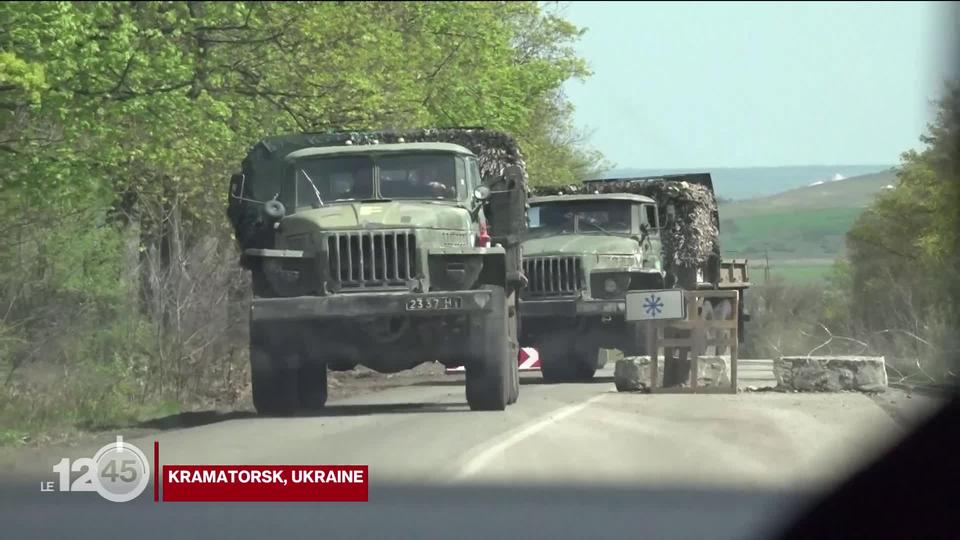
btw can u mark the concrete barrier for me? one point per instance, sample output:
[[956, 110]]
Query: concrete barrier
[[830, 373], [632, 373]]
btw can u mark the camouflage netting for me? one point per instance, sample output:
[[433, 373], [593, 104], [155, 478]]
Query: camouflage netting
[[689, 241], [494, 150]]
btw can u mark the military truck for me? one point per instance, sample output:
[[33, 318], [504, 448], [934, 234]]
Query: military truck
[[382, 249], [587, 245]]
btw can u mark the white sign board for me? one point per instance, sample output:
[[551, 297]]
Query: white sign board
[[656, 305]]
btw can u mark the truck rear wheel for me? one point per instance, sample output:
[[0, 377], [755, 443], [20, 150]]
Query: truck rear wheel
[[571, 367], [489, 384]]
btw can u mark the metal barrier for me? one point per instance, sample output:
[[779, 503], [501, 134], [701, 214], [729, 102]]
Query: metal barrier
[[704, 330]]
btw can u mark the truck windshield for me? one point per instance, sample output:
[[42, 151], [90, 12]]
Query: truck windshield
[[336, 179], [420, 176], [401, 176], [579, 217]]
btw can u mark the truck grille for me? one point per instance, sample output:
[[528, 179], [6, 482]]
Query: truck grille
[[552, 276], [372, 259]]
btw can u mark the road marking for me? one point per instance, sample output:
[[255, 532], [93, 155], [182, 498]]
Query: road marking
[[481, 460]]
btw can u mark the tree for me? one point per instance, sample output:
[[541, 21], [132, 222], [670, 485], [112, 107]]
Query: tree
[[120, 123], [904, 247]]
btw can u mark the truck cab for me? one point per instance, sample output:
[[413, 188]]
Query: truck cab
[[581, 254]]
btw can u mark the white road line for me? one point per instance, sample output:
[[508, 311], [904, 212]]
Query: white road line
[[481, 460]]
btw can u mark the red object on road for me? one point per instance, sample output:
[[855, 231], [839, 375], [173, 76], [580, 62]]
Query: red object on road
[[528, 360]]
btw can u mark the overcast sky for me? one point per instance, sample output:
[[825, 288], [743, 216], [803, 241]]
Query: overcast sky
[[753, 84]]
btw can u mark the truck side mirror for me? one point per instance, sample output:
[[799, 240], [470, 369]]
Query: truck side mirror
[[513, 176], [480, 196], [506, 205], [237, 182]]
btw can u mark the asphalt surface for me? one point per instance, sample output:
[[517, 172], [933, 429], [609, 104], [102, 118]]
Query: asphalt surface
[[744, 461]]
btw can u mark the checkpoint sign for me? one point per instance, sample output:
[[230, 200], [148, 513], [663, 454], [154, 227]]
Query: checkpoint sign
[[663, 305]]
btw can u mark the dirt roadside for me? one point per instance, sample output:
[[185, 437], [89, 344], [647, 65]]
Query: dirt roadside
[[341, 385]]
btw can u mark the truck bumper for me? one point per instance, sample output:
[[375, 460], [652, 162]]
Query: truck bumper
[[571, 307], [370, 304]]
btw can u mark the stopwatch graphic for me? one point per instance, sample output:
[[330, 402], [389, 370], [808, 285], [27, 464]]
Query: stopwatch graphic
[[122, 471]]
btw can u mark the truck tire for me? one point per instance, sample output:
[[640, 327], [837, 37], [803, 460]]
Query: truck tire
[[585, 372], [312, 386], [554, 371], [636, 339], [489, 379], [513, 330], [569, 368], [274, 386]]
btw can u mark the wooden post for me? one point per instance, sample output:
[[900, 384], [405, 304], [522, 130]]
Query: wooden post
[[735, 342], [652, 352]]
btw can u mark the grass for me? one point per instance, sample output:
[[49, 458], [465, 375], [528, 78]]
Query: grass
[[788, 235], [798, 273]]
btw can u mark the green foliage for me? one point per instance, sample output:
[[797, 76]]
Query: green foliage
[[903, 249], [120, 123], [165, 96]]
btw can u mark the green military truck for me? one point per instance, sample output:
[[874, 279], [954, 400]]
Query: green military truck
[[587, 245], [382, 249]]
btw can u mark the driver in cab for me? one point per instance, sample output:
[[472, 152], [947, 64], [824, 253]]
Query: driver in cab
[[423, 183]]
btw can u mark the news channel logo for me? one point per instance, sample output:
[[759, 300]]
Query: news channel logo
[[118, 472]]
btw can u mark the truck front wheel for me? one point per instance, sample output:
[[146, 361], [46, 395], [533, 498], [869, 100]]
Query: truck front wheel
[[274, 385], [312, 386], [490, 378]]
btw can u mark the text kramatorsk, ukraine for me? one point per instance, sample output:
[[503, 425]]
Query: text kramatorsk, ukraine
[[231, 476]]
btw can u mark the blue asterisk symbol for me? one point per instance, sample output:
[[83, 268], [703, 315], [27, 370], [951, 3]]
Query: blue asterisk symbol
[[652, 305]]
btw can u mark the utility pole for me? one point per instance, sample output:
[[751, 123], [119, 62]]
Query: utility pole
[[766, 266]]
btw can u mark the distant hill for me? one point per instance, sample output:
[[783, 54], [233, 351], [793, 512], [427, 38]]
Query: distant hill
[[749, 182], [801, 231], [855, 192]]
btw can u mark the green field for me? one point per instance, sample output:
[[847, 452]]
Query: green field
[[788, 235], [801, 231], [789, 271]]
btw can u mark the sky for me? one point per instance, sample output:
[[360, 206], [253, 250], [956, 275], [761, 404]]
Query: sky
[[679, 85]]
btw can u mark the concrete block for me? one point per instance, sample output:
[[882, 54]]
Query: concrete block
[[714, 371], [830, 373], [632, 373]]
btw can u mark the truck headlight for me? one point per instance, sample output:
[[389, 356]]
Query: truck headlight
[[610, 285]]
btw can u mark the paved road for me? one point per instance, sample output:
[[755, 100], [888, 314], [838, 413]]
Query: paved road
[[569, 432], [735, 458], [585, 432]]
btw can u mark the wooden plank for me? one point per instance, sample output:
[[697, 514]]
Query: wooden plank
[[716, 324], [687, 343]]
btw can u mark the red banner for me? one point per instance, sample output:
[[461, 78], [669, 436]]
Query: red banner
[[265, 483]]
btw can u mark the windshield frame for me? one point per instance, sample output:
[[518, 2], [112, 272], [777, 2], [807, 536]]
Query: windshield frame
[[296, 192]]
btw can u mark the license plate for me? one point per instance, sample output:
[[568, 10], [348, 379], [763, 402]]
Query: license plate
[[434, 303]]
